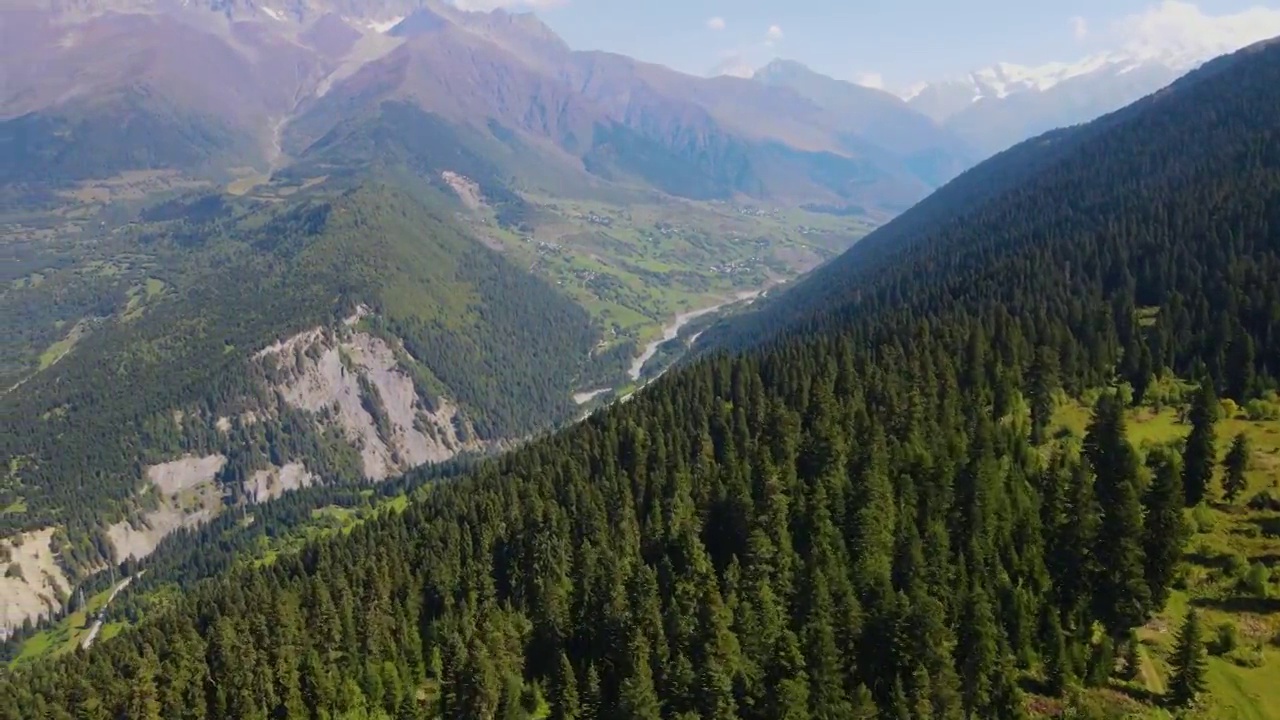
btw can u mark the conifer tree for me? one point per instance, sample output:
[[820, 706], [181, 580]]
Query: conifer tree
[[1236, 465], [1164, 528], [978, 654], [1073, 546], [1122, 598], [1057, 663], [1240, 370], [1200, 454], [1102, 659], [1189, 663], [1044, 380], [143, 703], [564, 696], [637, 697]]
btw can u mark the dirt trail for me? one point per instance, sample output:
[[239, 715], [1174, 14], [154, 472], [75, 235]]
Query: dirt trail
[[97, 623]]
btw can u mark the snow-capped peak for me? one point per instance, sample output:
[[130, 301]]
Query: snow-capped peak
[[384, 26], [1003, 79], [1173, 35]]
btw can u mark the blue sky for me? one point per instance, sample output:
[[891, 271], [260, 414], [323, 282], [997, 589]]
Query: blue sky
[[901, 41]]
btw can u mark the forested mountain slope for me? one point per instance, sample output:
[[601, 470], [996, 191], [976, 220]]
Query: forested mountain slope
[[348, 334], [865, 518], [1119, 185]]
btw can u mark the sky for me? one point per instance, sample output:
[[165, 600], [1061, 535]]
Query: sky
[[888, 43]]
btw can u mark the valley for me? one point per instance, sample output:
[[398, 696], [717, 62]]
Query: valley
[[397, 360], [127, 263]]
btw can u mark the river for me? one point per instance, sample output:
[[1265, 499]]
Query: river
[[672, 329]]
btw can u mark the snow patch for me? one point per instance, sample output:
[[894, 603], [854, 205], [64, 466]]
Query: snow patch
[[1174, 35], [384, 26], [273, 14]]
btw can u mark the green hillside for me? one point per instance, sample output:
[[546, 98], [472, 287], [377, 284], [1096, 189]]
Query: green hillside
[[965, 486], [205, 286], [129, 132], [1115, 190]]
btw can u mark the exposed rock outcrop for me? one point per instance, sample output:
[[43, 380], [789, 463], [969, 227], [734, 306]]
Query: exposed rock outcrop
[[32, 585], [273, 482], [188, 495], [354, 380]]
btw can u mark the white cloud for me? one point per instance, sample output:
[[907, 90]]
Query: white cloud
[[715, 23], [733, 64], [872, 80], [1079, 27], [1174, 27], [743, 60]]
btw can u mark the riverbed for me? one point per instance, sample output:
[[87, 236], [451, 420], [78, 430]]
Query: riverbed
[[672, 330]]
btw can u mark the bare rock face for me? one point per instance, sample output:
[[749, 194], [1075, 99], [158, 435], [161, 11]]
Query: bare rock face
[[273, 482], [188, 495], [32, 585], [354, 381]]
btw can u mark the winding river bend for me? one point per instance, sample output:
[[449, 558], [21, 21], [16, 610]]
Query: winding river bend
[[672, 329]]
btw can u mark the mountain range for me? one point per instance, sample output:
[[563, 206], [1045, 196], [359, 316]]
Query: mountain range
[[995, 107], [967, 469], [81, 83], [257, 245]]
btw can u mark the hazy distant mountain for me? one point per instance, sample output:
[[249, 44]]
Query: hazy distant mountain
[[93, 87], [998, 106], [878, 117]]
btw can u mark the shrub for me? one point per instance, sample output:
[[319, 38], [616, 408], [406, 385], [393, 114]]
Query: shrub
[[1265, 500], [14, 571], [1229, 408], [1225, 639], [1203, 519], [1257, 581], [1235, 565], [1262, 410], [1248, 657]]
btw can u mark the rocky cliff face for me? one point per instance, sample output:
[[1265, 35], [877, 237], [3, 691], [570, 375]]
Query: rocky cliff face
[[354, 381], [344, 379]]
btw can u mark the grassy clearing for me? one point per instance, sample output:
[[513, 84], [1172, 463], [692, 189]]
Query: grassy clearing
[[241, 186], [635, 267], [140, 295], [67, 635], [1228, 542], [57, 350]]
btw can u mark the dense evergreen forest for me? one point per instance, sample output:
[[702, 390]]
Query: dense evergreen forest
[[501, 343], [861, 519], [1164, 204]]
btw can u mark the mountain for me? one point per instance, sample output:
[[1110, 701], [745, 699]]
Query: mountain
[[900, 505], [352, 333], [1002, 200], [254, 247], [275, 76], [998, 106], [877, 117], [621, 121]]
